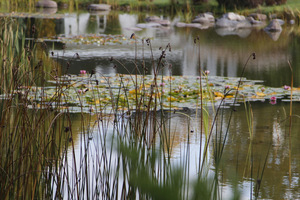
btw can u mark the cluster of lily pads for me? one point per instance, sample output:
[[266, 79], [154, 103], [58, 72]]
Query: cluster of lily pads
[[95, 39], [93, 93]]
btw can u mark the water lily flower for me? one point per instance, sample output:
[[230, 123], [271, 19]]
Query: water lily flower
[[286, 87], [273, 98], [206, 72], [162, 84], [262, 89], [227, 87], [82, 72]]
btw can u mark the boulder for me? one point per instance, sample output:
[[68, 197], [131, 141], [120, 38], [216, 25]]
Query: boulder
[[256, 23], [233, 16], [158, 20], [99, 7], [48, 11], [164, 22], [204, 18], [152, 19], [180, 24], [135, 29], [192, 25], [46, 4], [226, 23], [258, 16], [281, 22], [274, 26], [148, 25]]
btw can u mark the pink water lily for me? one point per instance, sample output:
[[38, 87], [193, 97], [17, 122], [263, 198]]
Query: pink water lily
[[206, 72], [286, 87], [162, 84], [82, 71], [227, 87], [273, 98]]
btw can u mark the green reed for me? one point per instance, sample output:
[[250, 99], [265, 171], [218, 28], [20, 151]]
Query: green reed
[[124, 152]]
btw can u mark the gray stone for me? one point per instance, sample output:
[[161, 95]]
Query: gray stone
[[281, 22], [233, 16], [256, 23], [148, 25], [258, 16], [223, 23], [46, 4], [204, 18], [180, 24], [164, 22], [274, 26], [99, 7], [48, 11], [226, 23], [158, 20], [134, 29], [152, 18], [192, 25]]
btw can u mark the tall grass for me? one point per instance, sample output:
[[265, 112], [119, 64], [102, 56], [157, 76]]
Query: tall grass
[[124, 152]]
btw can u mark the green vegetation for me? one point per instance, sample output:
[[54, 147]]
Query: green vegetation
[[125, 150], [288, 10]]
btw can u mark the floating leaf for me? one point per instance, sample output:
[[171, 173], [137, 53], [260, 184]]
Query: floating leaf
[[260, 94]]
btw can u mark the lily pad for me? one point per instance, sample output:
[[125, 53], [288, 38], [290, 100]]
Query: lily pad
[[86, 93]]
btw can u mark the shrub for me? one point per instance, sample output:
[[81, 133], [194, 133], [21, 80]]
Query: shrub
[[248, 3], [275, 2], [237, 3]]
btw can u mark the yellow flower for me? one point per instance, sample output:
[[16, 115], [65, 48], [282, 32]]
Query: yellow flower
[[172, 99], [260, 94], [219, 94]]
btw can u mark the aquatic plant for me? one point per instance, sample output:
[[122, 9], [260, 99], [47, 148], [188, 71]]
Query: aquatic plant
[[120, 143]]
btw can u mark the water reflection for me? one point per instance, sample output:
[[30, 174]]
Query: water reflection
[[271, 142], [243, 159], [224, 54]]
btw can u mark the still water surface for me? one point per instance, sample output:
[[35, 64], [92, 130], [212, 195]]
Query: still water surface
[[223, 53]]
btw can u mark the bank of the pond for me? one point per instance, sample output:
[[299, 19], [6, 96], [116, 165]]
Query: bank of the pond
[[288, 10]]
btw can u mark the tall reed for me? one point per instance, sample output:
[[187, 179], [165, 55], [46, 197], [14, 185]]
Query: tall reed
[[124, 150]]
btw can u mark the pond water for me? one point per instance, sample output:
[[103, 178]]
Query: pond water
[[223, 53]]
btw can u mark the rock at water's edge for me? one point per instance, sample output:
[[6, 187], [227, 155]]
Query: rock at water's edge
[[274, 26], [99, 7], [46, 4]]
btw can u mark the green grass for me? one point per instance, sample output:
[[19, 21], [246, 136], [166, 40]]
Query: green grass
[[292, 6]]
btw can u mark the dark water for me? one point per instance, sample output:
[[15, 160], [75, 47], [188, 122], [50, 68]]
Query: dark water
[[223, 53]]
